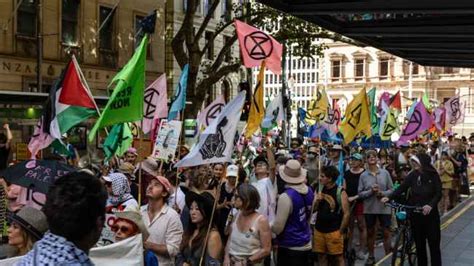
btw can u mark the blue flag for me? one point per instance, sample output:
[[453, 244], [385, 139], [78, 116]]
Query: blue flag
[[180, 95], [340, 166]]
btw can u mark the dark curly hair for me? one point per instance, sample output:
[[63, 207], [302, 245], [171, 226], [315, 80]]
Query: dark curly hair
[[73, 204]]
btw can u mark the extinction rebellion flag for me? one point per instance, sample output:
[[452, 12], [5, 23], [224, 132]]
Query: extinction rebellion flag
[[126, 102]]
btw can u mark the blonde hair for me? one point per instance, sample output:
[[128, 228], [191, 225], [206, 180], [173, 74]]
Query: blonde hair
[[28, 239]]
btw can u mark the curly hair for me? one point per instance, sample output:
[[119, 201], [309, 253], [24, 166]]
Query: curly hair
[[73, 204]]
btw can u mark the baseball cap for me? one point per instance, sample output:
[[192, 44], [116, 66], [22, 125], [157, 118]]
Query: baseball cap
[[232, 170], [356, 156]]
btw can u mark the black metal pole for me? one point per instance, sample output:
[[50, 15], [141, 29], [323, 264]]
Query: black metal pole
[[39, 45]]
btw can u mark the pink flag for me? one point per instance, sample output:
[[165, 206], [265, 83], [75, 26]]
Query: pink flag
[[155, 103], [454, 112], [420, 121], [39, 140], [256, 45], [386, 97], [439, 117], [208, 114]]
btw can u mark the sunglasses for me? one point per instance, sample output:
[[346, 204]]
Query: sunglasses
[[123, 229]]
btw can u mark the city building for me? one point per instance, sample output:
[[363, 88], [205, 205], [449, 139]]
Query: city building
[[101, 34], [345, 69]]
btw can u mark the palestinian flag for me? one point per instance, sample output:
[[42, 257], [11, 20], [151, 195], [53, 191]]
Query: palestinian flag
[[70, 101]]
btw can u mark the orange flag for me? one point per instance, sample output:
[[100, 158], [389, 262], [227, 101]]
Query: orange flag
[[256, 45]]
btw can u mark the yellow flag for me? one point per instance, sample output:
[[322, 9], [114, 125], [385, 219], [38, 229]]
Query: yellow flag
[[318, 108], [356, 118], [257, 111], [390, 126]]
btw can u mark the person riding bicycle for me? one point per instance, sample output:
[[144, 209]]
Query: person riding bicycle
[[424, 186]]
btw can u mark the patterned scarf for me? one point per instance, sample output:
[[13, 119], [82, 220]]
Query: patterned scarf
[[120, 189], [55, 250]]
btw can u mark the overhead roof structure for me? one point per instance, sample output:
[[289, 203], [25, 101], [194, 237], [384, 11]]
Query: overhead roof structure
[[427, 32]]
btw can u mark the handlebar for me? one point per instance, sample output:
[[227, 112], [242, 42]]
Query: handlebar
[[401, 207]]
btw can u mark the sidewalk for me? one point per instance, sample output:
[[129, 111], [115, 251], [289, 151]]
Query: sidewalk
[[457, 241]]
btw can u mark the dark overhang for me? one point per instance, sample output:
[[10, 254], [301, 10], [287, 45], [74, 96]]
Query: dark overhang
[[428, 32]]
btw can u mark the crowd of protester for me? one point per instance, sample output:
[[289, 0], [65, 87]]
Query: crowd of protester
[[283, 206]]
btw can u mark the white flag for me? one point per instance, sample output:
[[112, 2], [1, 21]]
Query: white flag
[[216, 143], [454, 112], [273, 112], [155, 103], [206, 116], [385, 112]]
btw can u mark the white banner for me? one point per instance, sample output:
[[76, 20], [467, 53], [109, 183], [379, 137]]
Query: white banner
[[167, 140], [216, 143]]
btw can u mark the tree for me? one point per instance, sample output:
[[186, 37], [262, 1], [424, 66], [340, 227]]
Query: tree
[[297, 33]]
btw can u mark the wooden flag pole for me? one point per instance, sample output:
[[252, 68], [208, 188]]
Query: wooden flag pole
[[209, 227], [140, 141]]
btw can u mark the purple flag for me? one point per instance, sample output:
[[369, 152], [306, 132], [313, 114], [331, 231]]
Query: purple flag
[[420, 121], [386, 98]]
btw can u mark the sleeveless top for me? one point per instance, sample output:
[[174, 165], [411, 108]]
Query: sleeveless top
[[329, 220], [244, 244], [297, 232], [193, 257]]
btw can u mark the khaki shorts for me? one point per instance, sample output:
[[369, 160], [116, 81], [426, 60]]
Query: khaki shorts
[[328, 243]]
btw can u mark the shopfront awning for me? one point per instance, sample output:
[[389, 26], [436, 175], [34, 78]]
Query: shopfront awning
[[35, 98], [427, 32]]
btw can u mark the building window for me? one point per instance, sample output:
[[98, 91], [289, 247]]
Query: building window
[[359, 69], [383, 68], [185, 5], [415, 70], [26, 18], [139, 34], [448, 70], [226, 10], [69, 22], [210, 49], [335, 69], [207, 7], [106, 37]]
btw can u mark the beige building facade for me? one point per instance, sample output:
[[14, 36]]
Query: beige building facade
[[102, 34], [345, 69]]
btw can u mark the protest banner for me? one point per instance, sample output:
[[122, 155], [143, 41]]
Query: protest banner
[[167, 140]]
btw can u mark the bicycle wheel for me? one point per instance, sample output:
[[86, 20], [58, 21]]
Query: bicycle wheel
[[411, 251], [399, 249]]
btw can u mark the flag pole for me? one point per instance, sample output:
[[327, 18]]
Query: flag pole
[[181, 118], [209, 227], [140, 141]]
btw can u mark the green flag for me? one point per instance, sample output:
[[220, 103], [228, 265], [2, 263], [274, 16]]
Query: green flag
[[426, 102], [126, 102], [373, 111], [118, 141]]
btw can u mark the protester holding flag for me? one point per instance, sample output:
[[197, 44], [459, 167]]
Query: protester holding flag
[[374, 184], [291, 223], [197, 238], [332, 218]]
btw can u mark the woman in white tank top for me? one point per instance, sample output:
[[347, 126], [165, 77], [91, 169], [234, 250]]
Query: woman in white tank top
[[250, 237]]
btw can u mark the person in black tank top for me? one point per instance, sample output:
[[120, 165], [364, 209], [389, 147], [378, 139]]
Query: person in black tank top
[[332, 219]]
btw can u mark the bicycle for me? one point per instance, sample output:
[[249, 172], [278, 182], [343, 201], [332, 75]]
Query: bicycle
[[404, 243]]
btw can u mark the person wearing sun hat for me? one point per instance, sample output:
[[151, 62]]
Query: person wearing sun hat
[[291, 223], [26, 227], [162, 221], [194, 239]]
